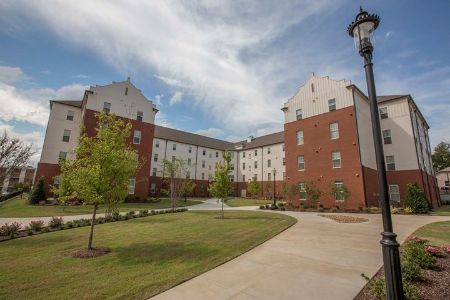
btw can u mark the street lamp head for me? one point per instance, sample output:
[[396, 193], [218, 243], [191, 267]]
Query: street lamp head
[[362, 31]]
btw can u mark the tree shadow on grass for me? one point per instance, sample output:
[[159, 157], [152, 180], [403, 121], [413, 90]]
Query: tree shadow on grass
[[166, 253]]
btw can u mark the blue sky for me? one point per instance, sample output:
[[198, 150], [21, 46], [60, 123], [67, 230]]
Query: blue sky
[[220, 68]]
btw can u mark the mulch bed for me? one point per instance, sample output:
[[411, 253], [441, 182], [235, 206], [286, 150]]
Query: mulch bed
[[344, 219], [436, 285], [90, 253]]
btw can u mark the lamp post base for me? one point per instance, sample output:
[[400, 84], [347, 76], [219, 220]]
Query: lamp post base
[[391, 259]]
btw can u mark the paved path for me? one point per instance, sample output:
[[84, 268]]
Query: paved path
[[316, 258]]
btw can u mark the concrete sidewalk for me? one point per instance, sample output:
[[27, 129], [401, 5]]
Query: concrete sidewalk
[[316, 258]]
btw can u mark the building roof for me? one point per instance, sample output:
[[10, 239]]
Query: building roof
[[76, 103], [191, 138], [265, 140], [389, 97]]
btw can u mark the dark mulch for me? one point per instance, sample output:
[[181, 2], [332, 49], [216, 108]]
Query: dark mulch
[[344, 219], [436, 285], [90, 253]]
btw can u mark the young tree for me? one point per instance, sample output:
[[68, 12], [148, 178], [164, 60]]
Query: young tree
[[174, 171], [254, 187], [268, 190], [187, 187], [102, 169], [415, 199], [313, 193], [22, 188], [38, 193], [14, 154], [441, 156], [340, 192], [221, 186]]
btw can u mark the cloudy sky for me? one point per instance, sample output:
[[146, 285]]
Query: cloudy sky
[[219, 68]]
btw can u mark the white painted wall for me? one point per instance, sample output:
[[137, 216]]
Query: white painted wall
[[122, 105], [57, 122], [315, 102]]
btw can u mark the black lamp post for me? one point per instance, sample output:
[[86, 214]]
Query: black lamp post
[[362, 31], [274, 199]]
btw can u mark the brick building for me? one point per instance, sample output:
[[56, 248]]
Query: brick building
[[326, 139]]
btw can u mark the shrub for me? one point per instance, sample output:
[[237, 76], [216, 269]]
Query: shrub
[[267, 205], [143, 213], [376, 286], [394, 210], [131, 214], [262, 207], [415, 199], [69, 224], [273, 207], [36, 225], [333, 210], [281, 204], [410, 291], [29, 230], [100, 220], [415, 252], [435, 251], [38, 193], [56, 222], [10, 229], [283, 208], [116, 216], [152, 212], [411, 271], [374, 209], [408, 210]]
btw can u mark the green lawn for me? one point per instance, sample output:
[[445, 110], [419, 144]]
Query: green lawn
[[17, 207], [148, 255], [437, 233], [444, 210], [247, 202]]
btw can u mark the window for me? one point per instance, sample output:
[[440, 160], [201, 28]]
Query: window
[[256, 152], [250, 167], [302, 191], [190, 149], [269, 176], [153, 188], [203, 176], [299, 114], [255, 176], [339, 196], [284, 175], [62, 155], [383, 113], [173, 158], [70, 114], [299, 137], [301, 162], [126, 91], [394, 193], [231, 178], [243, 178], [232, 167], [217, 154], [334, 131], [140, 115], [249, 155], [336, 159], [204, 152], [331, 104], [284, 161], [387, 136], [210, 155], [136, 137], [188, 175], [174, 147], [157, 144], [189, 162], [269, 163], [155, 157], [390, 163], [131, 185], [203, 163], [106, 107], [66, 135], [268, 150], [56, 181], [256, 164], [243, 166], [312, 87], [154, 172], [243, 154]]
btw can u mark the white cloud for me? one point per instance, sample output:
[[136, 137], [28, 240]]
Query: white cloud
[[388, 34], [211, 132], [176, 98], [11, 74], [161, 120]]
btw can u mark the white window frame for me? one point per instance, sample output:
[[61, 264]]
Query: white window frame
[[155, 157], [156, 143], [301, 163], [301, 191], [269, 176], [255, 165], [131, 186], [66, 135], [332, 104], [299, 137], [394, 192], [174, 147], [387, 137], [243, 166], [340, 195], [70, 115], [107, 107], [336, 160], [384, 114], [154, 172], [137, 134], [390, 163], [269, 163], [299, 114], [62, 155], [140, 115], [334, 130]]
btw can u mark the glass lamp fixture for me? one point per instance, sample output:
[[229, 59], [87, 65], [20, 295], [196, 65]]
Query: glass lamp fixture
[[361, 30]]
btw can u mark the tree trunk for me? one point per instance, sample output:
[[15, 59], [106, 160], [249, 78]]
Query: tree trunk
[[91, 234], [172, 195], [222, 208]]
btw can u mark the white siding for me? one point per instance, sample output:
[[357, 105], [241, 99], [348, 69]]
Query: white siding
[[316, 103]]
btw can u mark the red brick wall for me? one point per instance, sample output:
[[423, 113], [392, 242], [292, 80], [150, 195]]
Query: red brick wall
[[142, 188], [48, 171], [317, 150]]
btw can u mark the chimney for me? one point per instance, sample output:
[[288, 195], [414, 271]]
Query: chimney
[[250, 138]]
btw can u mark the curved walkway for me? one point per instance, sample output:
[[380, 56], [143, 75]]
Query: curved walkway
[[316, 258]]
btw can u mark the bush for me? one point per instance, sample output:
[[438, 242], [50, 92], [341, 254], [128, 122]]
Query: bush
[[273, 207], [56, 222], [152, 212], [69, 224], [36, 225], [29, 230], [415, 252], [394, 210], [411, 271], [410, 291], [116, 216], [100, 220], [333, 210], [131, 214], [415, 199], [283, 208], [374, 209], [376, 286], [10, 229], [143, 213], [408, 210], [267, 206], [262, 207], [38, 193]]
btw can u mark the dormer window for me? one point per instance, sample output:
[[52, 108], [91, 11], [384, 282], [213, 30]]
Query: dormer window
[[140, 115], [126, 91], [299, 114], [106, 107]]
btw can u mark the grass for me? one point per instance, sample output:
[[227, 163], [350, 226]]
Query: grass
[[247, 202], [17, 207], [444, 210], [148, 255], [438, 234]]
